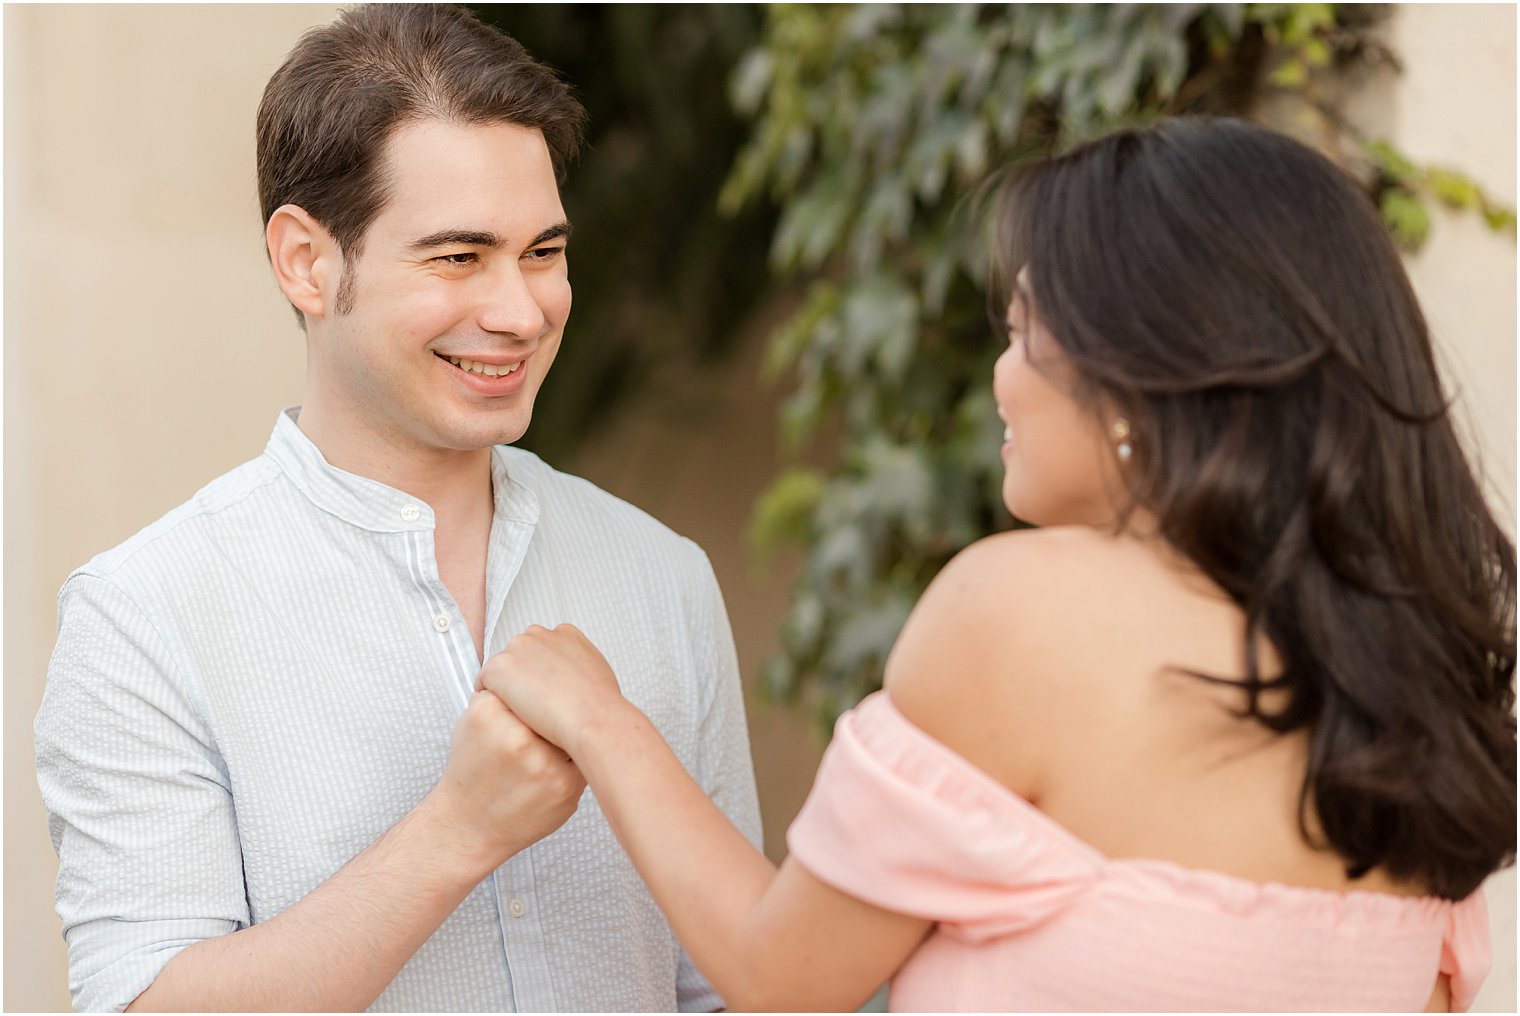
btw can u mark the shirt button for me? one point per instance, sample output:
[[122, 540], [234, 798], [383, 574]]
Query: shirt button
[[516, 908], [411, 513], [441, 622]]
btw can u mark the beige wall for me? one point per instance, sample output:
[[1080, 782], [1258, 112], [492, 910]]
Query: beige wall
[[147, 350], [1455, 104]]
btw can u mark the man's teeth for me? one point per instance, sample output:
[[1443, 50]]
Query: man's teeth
[[1007, 433], [486, 369]]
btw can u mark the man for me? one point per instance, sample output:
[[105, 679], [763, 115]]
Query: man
[[270, 782]]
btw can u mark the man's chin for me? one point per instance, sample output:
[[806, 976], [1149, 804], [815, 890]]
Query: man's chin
[[467, 438]]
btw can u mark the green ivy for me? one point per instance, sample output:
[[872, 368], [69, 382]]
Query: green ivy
[[1403, 187], [873, 127]]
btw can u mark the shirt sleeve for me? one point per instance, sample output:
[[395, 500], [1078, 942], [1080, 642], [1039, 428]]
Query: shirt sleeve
[[897, 820], [1465, 953], [139, 806], [725, 770]]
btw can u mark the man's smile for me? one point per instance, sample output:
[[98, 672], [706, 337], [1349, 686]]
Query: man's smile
[[482, 368]]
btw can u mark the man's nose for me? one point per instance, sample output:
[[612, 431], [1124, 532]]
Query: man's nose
[[510, 307]]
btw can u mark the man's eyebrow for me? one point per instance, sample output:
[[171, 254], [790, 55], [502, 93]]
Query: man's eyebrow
[[453, 238], [479, 238], [558, 231]]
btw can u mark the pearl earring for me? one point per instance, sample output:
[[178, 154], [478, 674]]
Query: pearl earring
[[1121, 434]]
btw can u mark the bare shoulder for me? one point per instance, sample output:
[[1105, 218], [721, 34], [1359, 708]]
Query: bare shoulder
[[1042, 563], [1001, 592], [982, 664]]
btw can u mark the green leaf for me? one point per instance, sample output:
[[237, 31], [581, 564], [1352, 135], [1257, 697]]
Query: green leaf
[[751, 79], [1005, 102], [784, 512], [1304, 20], [898, 483], [1171, 65], [1290, 74], [1406, 218], [1116, 89], [880, 328], [1316, 52], [842, 552], [805, 625], [788, 343], [886, 217], [778, 681], [971, 150], [812, 224], [801, 412], [1392, 162], [865, 634], [1225, 21], [1500, 219], [1453, 189]]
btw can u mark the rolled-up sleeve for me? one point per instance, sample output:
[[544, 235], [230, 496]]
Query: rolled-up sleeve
[[139, 806], [725, 769]]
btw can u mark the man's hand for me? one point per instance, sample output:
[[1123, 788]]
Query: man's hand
[[556, 682], [504, 788]]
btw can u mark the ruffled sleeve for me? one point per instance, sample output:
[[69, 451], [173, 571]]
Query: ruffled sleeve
[[1465, 956], [898, 820]]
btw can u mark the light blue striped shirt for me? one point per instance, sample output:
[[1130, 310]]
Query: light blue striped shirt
[[253, 689]]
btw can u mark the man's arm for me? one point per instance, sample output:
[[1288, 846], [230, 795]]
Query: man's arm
[[151, 883], [337, 949]]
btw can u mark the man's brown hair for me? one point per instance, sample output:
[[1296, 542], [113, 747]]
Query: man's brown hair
[[329, 110]]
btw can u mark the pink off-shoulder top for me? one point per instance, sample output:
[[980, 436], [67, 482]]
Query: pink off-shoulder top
[[1029, 917]]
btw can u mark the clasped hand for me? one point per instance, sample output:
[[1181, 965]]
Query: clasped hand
[[508, 782], [556, 682]]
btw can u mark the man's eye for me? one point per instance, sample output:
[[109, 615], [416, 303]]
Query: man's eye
[[458, 259], [545, 253]]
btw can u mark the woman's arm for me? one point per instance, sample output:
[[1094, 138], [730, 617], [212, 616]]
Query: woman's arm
[[767, 940]]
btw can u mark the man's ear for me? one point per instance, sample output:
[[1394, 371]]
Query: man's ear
[[307, 262]]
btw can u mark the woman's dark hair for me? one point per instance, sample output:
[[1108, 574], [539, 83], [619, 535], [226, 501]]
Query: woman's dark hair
[[1233, 295]]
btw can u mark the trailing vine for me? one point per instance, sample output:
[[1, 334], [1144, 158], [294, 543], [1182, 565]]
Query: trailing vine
[[872, 128]]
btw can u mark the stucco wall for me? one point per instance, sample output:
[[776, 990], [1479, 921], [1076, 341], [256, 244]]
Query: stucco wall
[[147, 350], [1454, 103]]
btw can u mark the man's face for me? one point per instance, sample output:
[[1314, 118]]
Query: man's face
[[458, 298]]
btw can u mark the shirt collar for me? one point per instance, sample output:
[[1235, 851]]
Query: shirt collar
[[371, 504]]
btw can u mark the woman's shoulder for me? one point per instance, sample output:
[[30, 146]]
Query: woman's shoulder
[[993, 659], [1037, 588], [1033, 641], [1051, 563]]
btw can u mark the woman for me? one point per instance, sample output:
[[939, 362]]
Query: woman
[[1232, 730]]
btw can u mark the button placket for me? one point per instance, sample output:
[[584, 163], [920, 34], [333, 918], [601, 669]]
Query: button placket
[[523, 934]]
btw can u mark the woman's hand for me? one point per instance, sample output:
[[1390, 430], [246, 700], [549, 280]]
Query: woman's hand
[[556, 682]]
